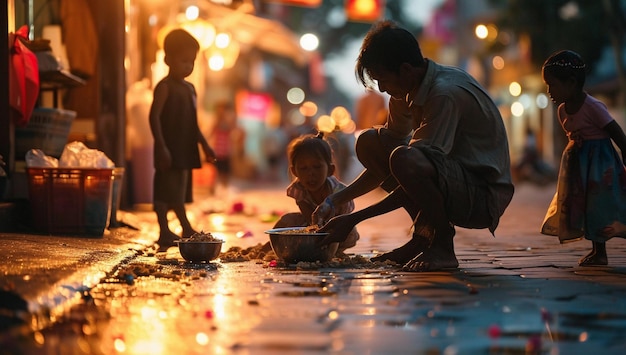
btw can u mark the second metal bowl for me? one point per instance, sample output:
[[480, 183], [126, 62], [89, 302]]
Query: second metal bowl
[[293, 245]]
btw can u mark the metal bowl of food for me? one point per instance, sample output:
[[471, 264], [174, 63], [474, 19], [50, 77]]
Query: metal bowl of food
[[295, 244], [200, 247]]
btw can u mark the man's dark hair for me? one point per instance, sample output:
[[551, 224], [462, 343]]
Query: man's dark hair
[[386, 46]]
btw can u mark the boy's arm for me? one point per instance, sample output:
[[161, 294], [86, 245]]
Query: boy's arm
[[162, 158], [209, 154]]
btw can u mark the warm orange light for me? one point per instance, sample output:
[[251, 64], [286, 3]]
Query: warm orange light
[[307, 3], [222, 57], [364, 10], [308, 108], [202, 31]]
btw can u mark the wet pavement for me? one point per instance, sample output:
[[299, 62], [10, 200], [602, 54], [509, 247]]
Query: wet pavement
[[520, 292]]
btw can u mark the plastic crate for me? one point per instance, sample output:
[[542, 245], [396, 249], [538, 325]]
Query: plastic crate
[[70, 201], [47, 129], [116, 195]]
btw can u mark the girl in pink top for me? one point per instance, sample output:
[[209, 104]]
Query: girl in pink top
[[590, 201]]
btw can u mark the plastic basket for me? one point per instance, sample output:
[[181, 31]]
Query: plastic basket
[[116, 195], [70, 201], [47, 129]]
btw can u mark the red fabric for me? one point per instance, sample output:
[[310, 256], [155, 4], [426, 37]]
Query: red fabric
[[23, 78]]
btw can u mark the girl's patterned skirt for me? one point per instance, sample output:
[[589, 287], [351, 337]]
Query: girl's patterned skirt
[[590, 194]]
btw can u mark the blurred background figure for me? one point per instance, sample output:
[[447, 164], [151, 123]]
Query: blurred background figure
[[370, 110], [227, 140], [530, 166], [274, 147]]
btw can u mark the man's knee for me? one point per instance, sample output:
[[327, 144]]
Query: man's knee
[[411, 162], [366, 143], [370, 152]]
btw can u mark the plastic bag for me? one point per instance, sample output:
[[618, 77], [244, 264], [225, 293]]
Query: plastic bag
[[77, 154], [23, 77], [36, 158]]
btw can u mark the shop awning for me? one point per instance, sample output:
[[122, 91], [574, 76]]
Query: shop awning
[[253, 31]]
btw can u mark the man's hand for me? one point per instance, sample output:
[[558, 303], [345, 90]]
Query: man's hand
[[323, 212], [339, 227]]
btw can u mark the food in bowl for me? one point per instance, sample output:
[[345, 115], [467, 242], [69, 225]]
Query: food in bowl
[[200, 247], [295, 244], [300, 230], [202, 237]]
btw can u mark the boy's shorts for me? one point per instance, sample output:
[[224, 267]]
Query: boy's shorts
[[170, 186], [465, 193]]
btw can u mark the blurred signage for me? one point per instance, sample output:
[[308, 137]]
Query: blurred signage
[[365, 10], [253, 106], [306, 3]]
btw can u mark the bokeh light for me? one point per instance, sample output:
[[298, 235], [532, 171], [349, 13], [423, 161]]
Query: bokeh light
[[296, 117], [308, 109], [325, 123], [481, 31], [517, 109], [216, 62], [542, 100], [222, 40], [309, 42], [526, 101], [341, 116], [497, 62], [515, 89], [192, 12], [295, 95]]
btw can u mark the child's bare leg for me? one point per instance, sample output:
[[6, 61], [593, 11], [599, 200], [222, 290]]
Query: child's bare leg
[[181, 213], [166, 236], [596, 257]]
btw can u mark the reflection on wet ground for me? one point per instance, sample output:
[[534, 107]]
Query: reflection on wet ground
[[167, 306], [518, 293]]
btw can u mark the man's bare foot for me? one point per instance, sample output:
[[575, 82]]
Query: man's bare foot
[[432, 259], [166, 240], [419, 244], [403, 254]]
